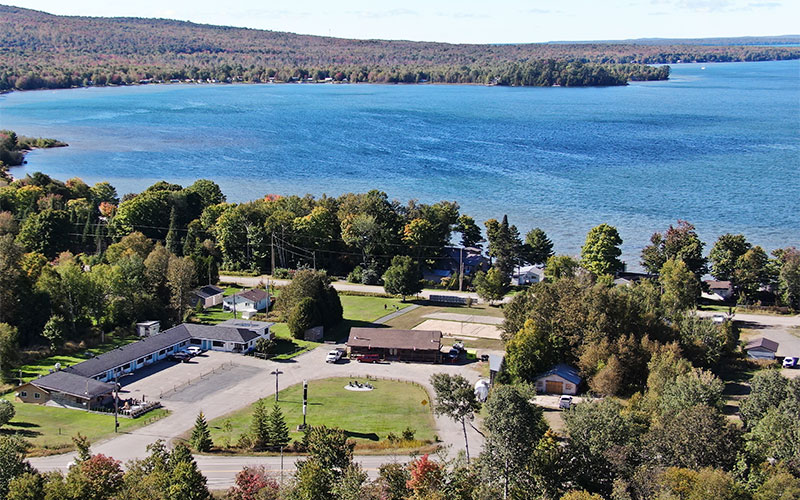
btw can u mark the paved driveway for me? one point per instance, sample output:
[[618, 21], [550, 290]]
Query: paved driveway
[[242, 384]]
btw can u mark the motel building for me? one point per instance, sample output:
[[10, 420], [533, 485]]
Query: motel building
[[91, 382]]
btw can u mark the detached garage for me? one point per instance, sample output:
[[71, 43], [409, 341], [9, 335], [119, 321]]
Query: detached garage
[[762, 348], [562, 379]]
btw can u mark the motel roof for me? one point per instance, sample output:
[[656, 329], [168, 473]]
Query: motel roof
[[131, 352], [390, 338], [220, 333], [72, 384]]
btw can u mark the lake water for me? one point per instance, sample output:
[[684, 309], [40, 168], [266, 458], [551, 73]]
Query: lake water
[[718, 145]]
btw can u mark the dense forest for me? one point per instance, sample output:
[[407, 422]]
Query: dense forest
[[40, 50]]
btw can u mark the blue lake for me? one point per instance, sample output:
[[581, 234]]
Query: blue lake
[[718, 145]]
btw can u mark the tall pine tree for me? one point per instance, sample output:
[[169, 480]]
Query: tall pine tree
[[173, 239], [201, 436], [260, 426], [278, 430]]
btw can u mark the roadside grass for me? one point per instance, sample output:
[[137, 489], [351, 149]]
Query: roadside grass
[[49, 430], [43, 366], [367, 417], [741, 309]]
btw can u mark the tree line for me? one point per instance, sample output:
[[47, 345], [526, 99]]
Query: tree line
[[46, 51]]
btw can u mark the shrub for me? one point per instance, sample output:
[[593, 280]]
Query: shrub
[[408, 434], [303, 316], [7, 412], [370, 277], [355, 275], [282, 273]]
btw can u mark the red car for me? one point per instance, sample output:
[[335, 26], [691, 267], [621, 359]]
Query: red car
[[368, 358]]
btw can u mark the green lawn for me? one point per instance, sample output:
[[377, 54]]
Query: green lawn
[[44, 365], [366, 416], [358, 308], [50, 429]]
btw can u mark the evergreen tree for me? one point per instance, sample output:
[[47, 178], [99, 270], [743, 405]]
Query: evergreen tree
[[173, 239], [201, 436], [538, 247], [260, 427], [278, 430], [504, 245], [87, 229]]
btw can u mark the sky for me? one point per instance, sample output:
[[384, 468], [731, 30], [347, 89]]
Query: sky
[[465, 21]]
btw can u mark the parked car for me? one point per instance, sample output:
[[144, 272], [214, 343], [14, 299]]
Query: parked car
[[565, 402], [194, 350], [453, 355], [368, 358], [334, 356], [180, 357], [790, 362]]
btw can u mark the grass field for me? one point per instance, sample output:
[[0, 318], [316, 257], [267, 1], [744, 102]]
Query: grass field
[[44, 365], [367, 417], [50, 429]]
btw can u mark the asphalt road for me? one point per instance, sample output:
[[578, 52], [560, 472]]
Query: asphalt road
[[260, 281]]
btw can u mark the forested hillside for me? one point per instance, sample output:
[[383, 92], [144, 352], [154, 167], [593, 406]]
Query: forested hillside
[[39, 50]]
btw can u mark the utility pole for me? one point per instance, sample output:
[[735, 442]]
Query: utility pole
[[461, 269], [272, 249], [276, 372], [116, 400]]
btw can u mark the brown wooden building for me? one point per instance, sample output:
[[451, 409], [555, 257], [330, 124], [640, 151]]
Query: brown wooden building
[[400, 345]]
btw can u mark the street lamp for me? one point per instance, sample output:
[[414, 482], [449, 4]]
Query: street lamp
[[276, 372]]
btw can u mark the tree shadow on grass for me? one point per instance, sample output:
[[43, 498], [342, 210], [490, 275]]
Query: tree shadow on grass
[[362, 435], [22, 429]]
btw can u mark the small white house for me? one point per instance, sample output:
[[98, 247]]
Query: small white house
[[761, 348], [247, 303], [208, 295], [527, 275], [721, 291], [562, 379], [238, 336]]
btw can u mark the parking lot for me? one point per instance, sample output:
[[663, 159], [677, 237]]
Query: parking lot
[[176, 381]]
